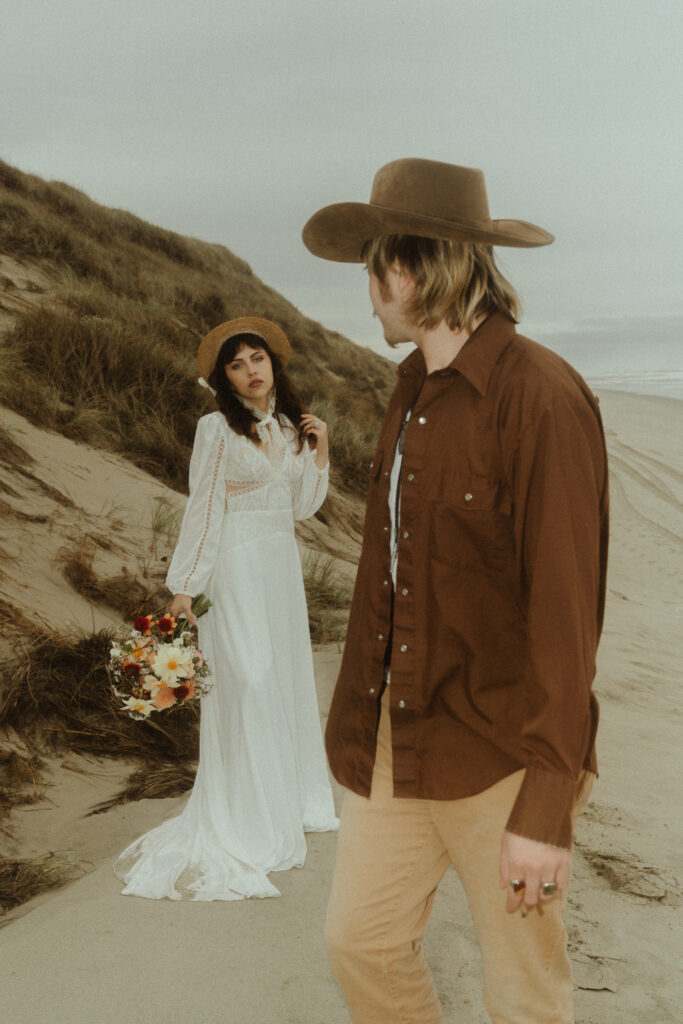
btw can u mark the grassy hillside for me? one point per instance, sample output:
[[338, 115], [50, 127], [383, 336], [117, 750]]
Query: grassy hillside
[[107, 354]]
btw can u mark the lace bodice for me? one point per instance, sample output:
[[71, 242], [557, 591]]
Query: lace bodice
[[229, 475]]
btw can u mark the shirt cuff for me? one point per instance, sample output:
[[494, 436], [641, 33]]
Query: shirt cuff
[[543, 808], [176, 587]]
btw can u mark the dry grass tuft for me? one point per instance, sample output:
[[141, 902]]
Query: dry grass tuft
[[125, 592], [12, 454], [13, 620], [152, 782], [21, 880], [18, 769], [15, 513], [19, 776], [328, 595]]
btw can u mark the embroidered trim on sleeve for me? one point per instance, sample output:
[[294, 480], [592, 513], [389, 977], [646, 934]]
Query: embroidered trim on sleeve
[[316, 491], [209, 505]]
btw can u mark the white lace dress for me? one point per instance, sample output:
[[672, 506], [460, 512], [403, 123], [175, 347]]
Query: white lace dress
[[262, 779]]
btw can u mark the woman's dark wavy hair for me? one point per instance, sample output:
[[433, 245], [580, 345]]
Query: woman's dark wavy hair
[[242, 420]]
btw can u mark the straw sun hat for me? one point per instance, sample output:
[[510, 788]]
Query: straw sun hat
[[266, 330], [417, 197]]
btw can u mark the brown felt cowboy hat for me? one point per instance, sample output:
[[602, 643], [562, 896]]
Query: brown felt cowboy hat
[[266, 330], [417, 197]]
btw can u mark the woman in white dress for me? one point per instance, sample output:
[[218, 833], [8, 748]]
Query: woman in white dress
[[262, 778]]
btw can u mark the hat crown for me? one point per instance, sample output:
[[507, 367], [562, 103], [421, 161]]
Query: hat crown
[[432, 189], [261, 328]]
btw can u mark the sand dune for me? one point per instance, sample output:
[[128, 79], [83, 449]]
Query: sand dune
[[84, 953]]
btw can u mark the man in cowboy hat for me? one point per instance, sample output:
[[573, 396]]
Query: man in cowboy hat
[[463, 723]]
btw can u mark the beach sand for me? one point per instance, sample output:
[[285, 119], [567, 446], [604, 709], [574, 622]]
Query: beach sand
[[83, 953]]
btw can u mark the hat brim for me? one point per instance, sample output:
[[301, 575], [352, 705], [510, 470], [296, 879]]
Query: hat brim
[[266, 330], [340, 231]]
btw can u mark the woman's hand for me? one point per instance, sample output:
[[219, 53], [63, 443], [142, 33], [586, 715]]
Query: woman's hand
[[316, 428], [182, 603]]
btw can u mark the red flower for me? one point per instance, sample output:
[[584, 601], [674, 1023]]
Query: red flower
[[131, 668], [181, 692], [142, 624], [166, 624]]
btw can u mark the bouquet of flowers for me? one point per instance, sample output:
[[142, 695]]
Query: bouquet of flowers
[[158, 666]]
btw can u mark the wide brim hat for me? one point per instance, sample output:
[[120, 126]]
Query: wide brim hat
[[266, 330], [417, 197]]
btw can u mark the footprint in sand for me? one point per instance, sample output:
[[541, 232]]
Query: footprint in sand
[[632, 878]]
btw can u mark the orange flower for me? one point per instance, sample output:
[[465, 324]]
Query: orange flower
[[166, 624]]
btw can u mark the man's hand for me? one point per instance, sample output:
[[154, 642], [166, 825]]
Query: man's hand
[[525, 860]]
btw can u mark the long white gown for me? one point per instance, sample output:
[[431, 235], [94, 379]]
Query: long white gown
[[262, 779]]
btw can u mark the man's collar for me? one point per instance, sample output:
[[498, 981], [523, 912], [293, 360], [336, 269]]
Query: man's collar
[[477, 357]]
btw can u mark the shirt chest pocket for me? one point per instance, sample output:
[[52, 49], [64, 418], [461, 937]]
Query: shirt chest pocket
[[475, 494], [471, 523]]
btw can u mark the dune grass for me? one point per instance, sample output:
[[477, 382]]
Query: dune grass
[[328, 595], [19, 777], [151, 782], [108, 357], [21, 880], [127, 593]]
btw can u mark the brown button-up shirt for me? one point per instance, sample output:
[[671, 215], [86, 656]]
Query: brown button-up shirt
[[498, 605]]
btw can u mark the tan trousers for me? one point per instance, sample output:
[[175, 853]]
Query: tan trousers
[[391, 856]]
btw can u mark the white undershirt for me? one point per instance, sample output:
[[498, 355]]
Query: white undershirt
[[395, 501], [395, 511]]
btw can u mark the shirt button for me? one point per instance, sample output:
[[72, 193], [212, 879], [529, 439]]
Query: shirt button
[[386, 529], [386, 472], [468, 496], [405, 591], [404, 648], [371, 691], [386, 583], [380, 636], [401, 703], [411, 476], [422, 420], [406, 534]]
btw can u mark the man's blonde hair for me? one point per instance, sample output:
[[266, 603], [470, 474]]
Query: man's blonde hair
[[454, 281]]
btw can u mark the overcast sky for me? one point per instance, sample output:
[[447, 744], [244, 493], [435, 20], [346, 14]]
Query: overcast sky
[[234, 121]]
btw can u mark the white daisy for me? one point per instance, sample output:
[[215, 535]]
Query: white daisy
[[139, 707], [173, 664]]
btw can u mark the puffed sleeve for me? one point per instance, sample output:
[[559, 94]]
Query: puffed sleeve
[[311, 485], [195, 554]]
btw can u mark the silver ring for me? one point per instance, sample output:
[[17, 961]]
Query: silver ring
[[548, 889], [316, 423]]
